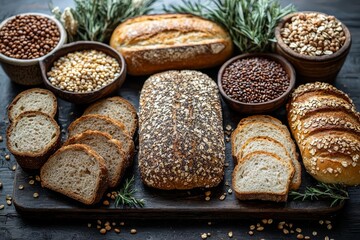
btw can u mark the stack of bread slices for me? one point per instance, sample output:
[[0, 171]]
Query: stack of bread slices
[[265, 158], [99, 149]]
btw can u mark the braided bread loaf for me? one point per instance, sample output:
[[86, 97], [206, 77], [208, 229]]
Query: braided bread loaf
[[326, 127]]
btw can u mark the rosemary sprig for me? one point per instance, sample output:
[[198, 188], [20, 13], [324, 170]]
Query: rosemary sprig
[[251, 23], [337, 193], [125, 197], [95, 20]]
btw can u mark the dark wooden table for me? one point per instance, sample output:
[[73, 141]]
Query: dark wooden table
[[345, 225]]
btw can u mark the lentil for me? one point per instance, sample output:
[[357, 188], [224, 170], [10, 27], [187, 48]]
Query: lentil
[[28, 37], [36, 195], [84, 71], [255, 80], [313, 34]]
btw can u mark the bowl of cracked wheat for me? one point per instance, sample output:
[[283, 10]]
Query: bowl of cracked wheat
[[315, 43], [83, 71]]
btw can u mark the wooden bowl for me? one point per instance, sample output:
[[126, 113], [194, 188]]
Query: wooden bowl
[[88, 97], [313, 68], [255, 108]]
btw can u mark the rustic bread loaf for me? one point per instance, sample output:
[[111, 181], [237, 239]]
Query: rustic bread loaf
[[263, 176], [32, 138], [326, 127], [107, 125], [181, 141], [118, 109], [154, 43], [34, 99], [76, 171], [108, 148]]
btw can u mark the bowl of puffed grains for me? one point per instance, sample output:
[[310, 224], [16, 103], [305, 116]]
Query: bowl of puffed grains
[[315, 43], [84, 71], [25, 39]]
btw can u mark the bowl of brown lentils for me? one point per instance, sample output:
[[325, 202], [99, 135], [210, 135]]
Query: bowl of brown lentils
[[25, 39], [315, 43], [84, 71], [256, 82]]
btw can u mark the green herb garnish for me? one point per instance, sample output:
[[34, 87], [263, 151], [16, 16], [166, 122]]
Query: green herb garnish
[[95, 20], [251, 23], [337, 193], [125, 197]]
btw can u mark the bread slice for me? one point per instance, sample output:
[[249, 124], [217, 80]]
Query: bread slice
[[32, 138], [108, 148], [76, 171], [263, 176], [107, 125], [118, 109], [34, 99]]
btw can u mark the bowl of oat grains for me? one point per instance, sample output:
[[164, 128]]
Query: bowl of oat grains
[[25, 39], [83, 71], [256, 82], [315, 43]]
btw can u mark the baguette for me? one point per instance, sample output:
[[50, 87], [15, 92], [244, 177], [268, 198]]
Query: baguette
[[326, 127], [154, 43]]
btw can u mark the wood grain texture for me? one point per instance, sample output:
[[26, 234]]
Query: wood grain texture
[[12, 226]]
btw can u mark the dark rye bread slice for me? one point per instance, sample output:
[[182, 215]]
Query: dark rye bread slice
[[104, 124], [108, 148], [76, 171], [34, 99], [262, 176], [181, 142], [118, 109], [32, 138]]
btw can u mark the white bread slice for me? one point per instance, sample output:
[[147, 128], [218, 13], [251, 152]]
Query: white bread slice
[[34, 99], [104, 124], [118, 109], [108, 148], [270, 145], [76, 171], [262, 176], [32, 138], [262, 118]]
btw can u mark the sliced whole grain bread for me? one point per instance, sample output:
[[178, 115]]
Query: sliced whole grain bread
[[76, 171], [118, 109], [107, 125], [108, 148], [34, 99], [32, 138], [263, 176]]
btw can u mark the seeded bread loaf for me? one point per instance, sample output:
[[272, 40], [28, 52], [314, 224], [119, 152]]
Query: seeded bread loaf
[[76, 171], [181, 142], [118, 109], [263, 176], [107, 125], [326, 127], [32, 138], [34, 99], [154, 43], [108, 148]]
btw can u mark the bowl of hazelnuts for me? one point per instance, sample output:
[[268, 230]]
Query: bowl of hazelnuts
[[25, 39], [315, 43]]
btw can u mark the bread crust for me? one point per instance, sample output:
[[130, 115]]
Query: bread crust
[[154, 43], [102, 183], [327, 134], [28, 160], [23, 93]]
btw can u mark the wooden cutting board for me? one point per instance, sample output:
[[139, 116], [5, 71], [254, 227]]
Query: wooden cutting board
[[162, 204]]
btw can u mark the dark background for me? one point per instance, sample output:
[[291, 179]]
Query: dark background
[[345, 225]]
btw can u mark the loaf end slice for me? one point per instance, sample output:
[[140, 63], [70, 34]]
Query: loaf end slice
[[76, 171], [118, 109], [262, 176], [34, 99], [32, 138], [108, 148]]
